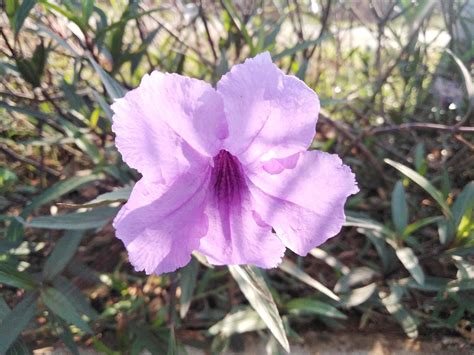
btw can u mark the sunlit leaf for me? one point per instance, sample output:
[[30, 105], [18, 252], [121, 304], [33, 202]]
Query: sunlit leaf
[[307, 306], [290, 268], [359, 295], [256, 291], [120, 195], [464, 203], [411, 263], [355, 277], [241, 321], [393, 305]]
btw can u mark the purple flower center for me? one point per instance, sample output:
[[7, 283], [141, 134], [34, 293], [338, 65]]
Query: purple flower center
[[227, 177]]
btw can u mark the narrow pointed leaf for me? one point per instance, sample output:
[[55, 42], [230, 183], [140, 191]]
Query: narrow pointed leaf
[[10, 276], [307, 306], [75, 221], [187, 283], [423, 183], [290, 268], [62, 253], [16, 321], [241, 321], [393, 305], [408, 258], [60, 305], [256, 291], [399, 208]]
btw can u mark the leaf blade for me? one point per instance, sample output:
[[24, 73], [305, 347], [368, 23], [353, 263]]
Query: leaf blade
[[423, 183], [257, 293], [16, 320]]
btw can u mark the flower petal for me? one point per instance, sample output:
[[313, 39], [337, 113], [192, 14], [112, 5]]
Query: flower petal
[[162, 226], [269, 114], [161, 125], [237, 235], [304, 205]]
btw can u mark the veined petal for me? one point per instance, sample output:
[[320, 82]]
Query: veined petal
[[237, 234], [269, 114], [168, 123], [305, 205], [162, 226]]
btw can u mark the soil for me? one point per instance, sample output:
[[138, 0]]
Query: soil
[[325, 343]]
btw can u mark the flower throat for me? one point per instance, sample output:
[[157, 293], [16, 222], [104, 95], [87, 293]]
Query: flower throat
[[227, 177]]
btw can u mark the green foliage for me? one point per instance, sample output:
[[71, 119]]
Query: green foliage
[[405, 254]]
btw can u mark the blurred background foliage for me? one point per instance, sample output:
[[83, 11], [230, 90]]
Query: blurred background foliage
[[395, 82]]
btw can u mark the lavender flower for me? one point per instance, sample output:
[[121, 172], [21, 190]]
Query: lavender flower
[[222, 167]]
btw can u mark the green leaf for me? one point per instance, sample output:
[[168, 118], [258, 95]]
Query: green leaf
[[465, 268], [145, 339], [444, 232], [408, 258], [96, 218], [423, 183], [57, 38], [308, 306], [359, 295], [114, 89], [393, 305], [299, 47], [17, 320], [28, 71], [239, 23], [119, 195], [467, 79], [18, 347], [187, 283], [413, 227], [87, 9], [12, 277], [238, 322], [357, 276], [330, 260], [60, 305], [4, 309], [256, 291], [15, 229], [10, 8], [290, 268], [464, 202], [65, 11], [39, 60], [172, 348], [22, 13], [61, 188], [399, 208], [419, 159], [365, 223], [75, 296], [62, 253]]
